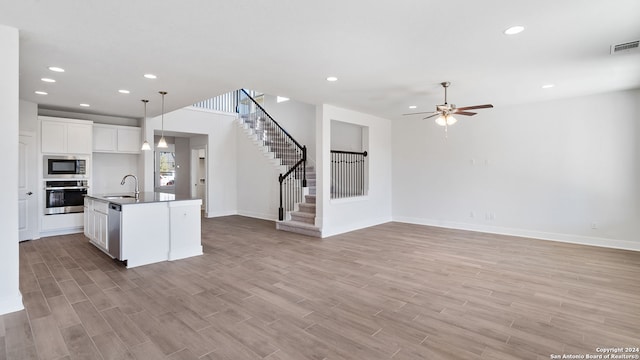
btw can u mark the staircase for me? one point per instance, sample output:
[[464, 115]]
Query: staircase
[[298, 204], [302, 219]]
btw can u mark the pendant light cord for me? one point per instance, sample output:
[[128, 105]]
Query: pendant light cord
[[163, 93]]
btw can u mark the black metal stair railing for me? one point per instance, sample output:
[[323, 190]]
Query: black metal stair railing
[[282, 144], [348, 173]]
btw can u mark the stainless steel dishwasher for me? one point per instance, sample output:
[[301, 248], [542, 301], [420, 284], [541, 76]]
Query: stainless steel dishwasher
[[115, 248]]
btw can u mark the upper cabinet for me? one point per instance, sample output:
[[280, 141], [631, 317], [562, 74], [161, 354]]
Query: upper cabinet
[[116, 139], [66, 136]]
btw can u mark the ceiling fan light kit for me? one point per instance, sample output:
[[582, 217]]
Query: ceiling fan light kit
[[445, 111]]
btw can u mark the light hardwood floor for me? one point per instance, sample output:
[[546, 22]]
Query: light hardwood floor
[[394, 291]]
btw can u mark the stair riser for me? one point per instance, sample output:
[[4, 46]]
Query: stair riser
[[307, 208], [302, 219]]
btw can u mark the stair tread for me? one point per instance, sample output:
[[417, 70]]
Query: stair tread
[[298, 224]]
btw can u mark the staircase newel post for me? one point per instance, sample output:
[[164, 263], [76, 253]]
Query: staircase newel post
[[304, 166], [280, 209]]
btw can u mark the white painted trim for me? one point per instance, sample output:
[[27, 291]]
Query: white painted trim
[[67, 231], [326, 232], [220, 214], [257, 215], [185, 253], [349, 199], [11, 304], [540, 235]]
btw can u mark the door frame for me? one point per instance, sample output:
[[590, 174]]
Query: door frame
[[195, 156]]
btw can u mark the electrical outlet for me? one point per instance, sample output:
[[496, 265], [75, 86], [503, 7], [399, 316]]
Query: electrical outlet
[[594, 225]]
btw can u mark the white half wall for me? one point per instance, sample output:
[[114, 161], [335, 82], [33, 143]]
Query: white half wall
[[258, 187], [344, 215], [221, 157], [564, 170], [10, 297]]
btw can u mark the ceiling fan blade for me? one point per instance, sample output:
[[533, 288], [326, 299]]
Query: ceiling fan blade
[[423, 112], [485, 106], [466, 113], [430, 116]]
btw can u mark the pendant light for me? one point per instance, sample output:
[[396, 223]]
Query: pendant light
[[145, 144], [162, 143]]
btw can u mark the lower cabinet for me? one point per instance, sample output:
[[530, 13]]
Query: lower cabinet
[[96, 226]]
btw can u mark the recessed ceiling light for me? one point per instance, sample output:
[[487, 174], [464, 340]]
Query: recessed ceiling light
[[85, 105], [332, 78], [48, 80], [56, 69], [547, 86], [150, 76], [514, 30], [123, 91], [41, 92], [412, 107]]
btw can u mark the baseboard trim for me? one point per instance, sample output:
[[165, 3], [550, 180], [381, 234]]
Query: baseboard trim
[[257, 215], [220, 214], [49, 233], [11, 304], [333, 231], [540, 235]]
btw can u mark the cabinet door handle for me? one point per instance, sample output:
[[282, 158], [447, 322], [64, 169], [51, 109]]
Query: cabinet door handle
[[30, 193]]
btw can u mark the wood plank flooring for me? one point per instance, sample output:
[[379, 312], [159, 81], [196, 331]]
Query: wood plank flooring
[[394, 291]]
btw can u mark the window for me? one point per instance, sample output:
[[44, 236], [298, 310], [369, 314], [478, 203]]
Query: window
[[165, 170]]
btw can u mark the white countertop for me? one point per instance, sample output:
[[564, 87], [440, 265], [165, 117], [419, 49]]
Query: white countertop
[[143, 198]]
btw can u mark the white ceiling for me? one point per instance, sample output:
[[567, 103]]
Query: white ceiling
[[387, 54]]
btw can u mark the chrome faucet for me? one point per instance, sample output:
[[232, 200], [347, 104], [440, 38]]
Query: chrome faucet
[[135, 178]]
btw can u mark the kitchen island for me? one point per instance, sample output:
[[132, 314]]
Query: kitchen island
[[151, 228]]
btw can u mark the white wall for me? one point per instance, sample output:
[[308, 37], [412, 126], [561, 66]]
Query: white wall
[[98, 119], [10, 298], [29, 116], [549, 170], [297, 118], [221, 159], [343, 215], [108, 171], [258, 187], [346, 137]]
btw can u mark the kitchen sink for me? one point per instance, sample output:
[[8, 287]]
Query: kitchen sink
[[119, 197]]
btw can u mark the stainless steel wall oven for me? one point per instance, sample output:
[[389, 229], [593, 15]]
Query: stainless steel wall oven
[[64, 196]]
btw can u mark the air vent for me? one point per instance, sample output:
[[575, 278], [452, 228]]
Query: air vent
[[632, 46]]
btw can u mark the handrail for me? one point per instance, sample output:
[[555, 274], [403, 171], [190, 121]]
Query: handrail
[[348, 174], [364, 153], [281, 144], [275, 122]]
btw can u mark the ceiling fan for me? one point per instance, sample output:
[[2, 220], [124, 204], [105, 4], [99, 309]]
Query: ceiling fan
[[445, 111]]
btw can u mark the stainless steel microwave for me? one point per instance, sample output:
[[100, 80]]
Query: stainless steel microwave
[[66, 167]]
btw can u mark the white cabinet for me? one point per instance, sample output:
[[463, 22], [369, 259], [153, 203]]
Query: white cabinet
[[129, 139], [116, 139], [66, 136], [105, 138], [96, 215]]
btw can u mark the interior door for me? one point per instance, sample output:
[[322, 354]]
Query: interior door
[[27, 179]]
